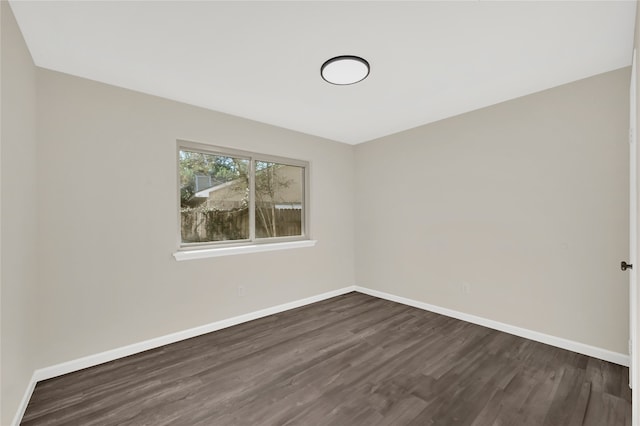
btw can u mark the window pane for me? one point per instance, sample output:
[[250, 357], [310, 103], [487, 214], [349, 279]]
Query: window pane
[[279, 200], [214, 197]]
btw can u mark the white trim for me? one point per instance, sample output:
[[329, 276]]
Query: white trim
[[559, 342], [113, 354], [110, 355], [228, 251], [25, 400], [633, 236]]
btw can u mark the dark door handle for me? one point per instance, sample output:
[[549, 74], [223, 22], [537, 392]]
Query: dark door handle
[[624, 266]]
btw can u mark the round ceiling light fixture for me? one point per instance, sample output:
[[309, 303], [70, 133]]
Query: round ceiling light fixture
[[344, 70]]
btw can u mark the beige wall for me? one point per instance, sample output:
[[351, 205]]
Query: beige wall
[[524, 203], [18, 216], [108, 220]]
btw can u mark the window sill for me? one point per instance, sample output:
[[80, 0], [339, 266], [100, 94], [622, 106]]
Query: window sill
[[229, 251]]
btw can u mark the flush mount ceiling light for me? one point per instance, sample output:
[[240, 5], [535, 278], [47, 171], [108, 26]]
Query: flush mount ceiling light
[[343, 70]]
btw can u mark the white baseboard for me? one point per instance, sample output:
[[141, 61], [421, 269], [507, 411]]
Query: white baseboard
[[110, 355], [581, 348], [113, 354], [25, 401]]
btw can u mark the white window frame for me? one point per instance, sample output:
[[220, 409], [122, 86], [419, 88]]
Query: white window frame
[[188, 251]]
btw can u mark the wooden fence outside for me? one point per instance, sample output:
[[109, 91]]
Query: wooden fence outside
[[221, 225]]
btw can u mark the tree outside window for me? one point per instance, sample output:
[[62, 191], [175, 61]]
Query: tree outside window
[[216, 197]]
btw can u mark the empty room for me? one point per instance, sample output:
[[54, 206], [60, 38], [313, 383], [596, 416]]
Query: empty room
[[318, 213]]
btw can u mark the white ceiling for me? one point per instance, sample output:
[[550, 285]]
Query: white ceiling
[[261, 60]]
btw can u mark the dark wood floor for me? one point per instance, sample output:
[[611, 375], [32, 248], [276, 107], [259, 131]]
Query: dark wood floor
[[350, 360]]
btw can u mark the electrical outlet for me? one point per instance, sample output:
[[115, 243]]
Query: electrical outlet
[[466, 288], [242, 290]]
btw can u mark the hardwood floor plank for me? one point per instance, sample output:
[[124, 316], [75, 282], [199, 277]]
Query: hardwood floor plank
[[565, 397], [577, 418], [350, 360]]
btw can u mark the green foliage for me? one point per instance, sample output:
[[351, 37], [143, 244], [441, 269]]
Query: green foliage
[[221, 169], [201, 222]]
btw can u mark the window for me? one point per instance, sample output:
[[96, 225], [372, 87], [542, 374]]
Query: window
[[242, 198]]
